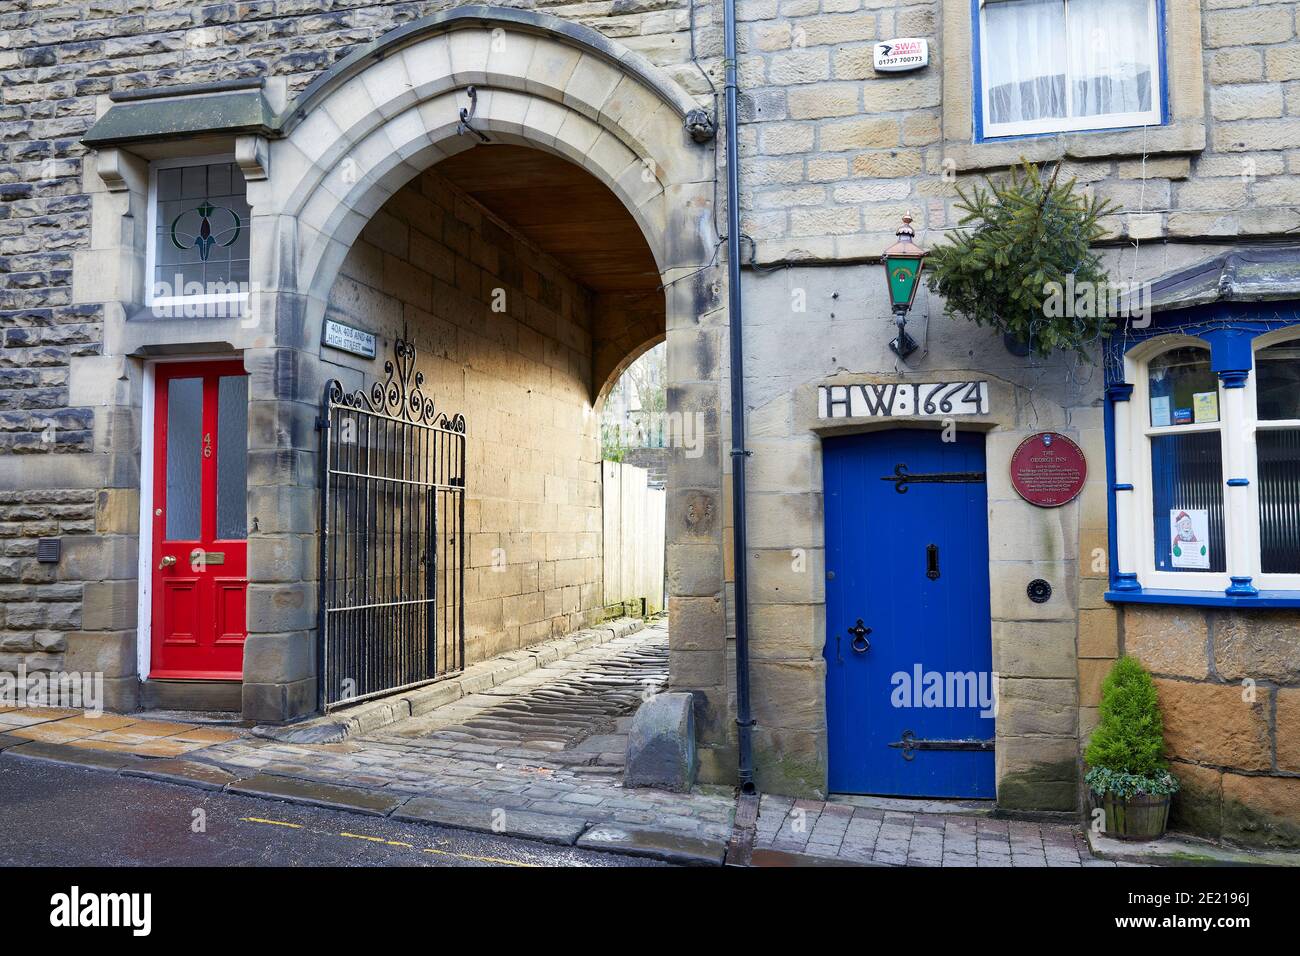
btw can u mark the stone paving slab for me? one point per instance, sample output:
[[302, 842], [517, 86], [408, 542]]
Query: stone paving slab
[[1177, 849], [184, 772], [673, 847], [527, 761], [370, 716], [317, 794], [482, 818], [72, 755], [782, 858]]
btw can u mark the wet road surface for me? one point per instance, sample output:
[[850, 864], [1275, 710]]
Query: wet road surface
[[53, 815]]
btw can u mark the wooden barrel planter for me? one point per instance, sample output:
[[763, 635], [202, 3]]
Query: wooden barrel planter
[[1139, 817]]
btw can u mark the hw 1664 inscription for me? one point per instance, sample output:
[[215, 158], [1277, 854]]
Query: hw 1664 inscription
[[876, 400]]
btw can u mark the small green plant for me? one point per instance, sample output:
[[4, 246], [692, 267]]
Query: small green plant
[[1126, 754], [1021, 241]]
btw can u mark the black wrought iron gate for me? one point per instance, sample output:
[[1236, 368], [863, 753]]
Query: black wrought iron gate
[[392, 547]]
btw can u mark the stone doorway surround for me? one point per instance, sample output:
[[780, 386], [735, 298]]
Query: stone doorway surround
[[1034, 645], [317, 169]]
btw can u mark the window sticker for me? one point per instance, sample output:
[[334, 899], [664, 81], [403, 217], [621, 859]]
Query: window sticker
[[1189, 532], [1205, 407], [1160, 411], [1182, 416]]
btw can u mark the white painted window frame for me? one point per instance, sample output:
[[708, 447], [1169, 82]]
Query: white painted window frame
[[1270, 582], [174, 301], [1237, 427], [1068, 124]]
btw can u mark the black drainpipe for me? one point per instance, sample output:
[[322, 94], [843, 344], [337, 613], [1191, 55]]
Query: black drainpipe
[[744, 719]]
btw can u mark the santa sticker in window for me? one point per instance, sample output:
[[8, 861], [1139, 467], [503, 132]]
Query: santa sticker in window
[[1189, 545]]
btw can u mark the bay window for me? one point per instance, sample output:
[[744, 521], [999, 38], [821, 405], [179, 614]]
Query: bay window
[[1047, 66], [1215, 464]]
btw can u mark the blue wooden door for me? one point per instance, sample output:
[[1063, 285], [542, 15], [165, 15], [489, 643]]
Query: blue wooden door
[[910, 702]]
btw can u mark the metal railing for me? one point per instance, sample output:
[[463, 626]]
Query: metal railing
[[392, 543]]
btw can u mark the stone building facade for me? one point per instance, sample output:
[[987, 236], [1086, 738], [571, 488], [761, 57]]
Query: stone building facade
[[344, 120]]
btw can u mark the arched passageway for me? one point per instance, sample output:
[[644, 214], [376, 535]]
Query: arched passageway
[[576, 183], [522, 283]]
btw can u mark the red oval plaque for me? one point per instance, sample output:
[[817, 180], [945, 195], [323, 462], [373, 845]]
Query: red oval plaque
[[1048, 470]]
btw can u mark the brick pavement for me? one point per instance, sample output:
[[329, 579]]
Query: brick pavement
[[862, 830]]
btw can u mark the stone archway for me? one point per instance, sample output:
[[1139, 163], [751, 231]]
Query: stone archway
[[390, 111], [355, 137]]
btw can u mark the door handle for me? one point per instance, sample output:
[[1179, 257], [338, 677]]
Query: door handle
[[167, 562], [932, 562], [860, 644]]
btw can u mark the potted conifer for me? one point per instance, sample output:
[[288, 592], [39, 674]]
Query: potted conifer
[[1128, 776]]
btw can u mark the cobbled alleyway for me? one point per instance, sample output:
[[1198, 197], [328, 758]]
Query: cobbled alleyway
[[571, 716]]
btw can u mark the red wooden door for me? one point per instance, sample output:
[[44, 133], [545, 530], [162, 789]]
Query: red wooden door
[[200, 547]]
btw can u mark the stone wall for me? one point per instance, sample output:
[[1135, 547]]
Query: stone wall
[[835, 153], [58, 61], [37, 611], [431, 262], [653, 460], [844, 328], [1229, 685]]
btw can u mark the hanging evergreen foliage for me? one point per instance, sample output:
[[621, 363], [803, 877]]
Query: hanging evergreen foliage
[[1020, 239]]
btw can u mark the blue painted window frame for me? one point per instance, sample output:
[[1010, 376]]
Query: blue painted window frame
[[977, 88], [1229, 331]]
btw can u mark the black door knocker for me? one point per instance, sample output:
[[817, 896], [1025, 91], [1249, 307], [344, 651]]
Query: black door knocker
[[932, 562], [860, 644]]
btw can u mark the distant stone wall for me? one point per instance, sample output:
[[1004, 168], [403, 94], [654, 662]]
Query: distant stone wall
[[430, 265], [1229, 684], [653, 460]]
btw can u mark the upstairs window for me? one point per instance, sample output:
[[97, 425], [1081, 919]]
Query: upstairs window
[[1049, 66], [198, 236]]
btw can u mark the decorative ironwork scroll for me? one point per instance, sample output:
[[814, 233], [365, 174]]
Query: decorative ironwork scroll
[[392, 545], [400, 396]]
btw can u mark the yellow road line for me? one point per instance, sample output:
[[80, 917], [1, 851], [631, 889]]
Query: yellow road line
[[274, 823], [398, 843], [480, 859]]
